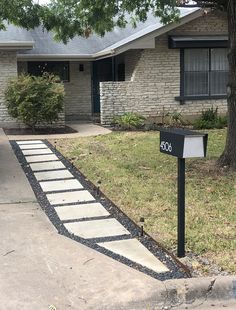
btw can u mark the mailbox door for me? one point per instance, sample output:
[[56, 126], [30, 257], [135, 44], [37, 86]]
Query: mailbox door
[[172, 144]]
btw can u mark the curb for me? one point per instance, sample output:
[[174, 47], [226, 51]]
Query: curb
[[191, 293], [196, 291]]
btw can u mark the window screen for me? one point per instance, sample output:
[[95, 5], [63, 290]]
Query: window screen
[[205, 71]]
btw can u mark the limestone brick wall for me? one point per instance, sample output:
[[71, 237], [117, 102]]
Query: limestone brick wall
[[214, 23], [131, 61], [78, 103], [153, 78], [8, 69]]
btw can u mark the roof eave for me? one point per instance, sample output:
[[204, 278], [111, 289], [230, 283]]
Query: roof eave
[[18, 45], [72, 57]]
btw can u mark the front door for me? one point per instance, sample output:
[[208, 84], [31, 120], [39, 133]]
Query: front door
[[102, 72]]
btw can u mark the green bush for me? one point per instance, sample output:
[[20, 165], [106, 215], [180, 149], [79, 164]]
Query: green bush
[[129, 121], [175, 119], [35, 100], [210, 120]]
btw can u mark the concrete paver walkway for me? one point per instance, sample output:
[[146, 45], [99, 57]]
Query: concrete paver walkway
[[65, 192]]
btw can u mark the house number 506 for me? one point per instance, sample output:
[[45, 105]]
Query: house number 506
[[166, 146]]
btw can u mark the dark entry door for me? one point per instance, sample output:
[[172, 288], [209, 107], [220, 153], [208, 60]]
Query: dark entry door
[[102, 72]]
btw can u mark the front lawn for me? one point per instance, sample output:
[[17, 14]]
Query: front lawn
[[142, 182]]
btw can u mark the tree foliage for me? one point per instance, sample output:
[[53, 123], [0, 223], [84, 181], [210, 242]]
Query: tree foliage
[[35, 100], [68, 18], [24, 13]]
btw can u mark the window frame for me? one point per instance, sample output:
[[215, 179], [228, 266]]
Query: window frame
[[67, 63], [182, 98]]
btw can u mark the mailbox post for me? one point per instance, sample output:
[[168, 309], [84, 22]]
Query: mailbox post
[[182, 144]]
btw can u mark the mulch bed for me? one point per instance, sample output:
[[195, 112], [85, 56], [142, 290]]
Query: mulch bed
[[41, 131]]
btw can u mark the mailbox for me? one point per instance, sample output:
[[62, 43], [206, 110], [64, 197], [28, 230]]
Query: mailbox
[[183, 143]]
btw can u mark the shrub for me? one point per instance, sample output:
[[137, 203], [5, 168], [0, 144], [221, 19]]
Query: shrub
[[175, 119], [35, 100], [129, 120], [210, 120]]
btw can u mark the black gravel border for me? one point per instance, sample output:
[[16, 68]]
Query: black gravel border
[[177, 269]]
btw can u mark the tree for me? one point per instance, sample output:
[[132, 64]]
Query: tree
[[34, 100], [68, 18]]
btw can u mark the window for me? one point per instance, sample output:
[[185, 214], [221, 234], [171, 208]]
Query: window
[[59, 68], [204, 72]]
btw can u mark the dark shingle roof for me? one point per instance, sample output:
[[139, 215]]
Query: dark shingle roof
[[15, 34], [44, 44]]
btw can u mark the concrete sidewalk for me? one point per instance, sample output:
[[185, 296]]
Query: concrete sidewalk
[[40, 268]]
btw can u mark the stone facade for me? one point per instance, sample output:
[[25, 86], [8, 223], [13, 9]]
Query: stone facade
[[153, 77], [8, 69], [78, 99]]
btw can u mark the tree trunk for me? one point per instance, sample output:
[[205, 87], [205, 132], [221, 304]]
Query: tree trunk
[[228, 158]]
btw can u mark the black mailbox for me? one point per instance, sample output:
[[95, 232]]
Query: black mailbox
[[183, 143]]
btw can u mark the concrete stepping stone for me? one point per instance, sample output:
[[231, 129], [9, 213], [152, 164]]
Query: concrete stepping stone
[[69, 197], [33, 146], [51, 186], [97, 228], [136, 252], [29, 142], [81, 211], [52, 165], [54, 174], [34, 159], [37, 152]]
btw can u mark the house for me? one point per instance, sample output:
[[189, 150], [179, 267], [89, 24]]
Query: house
[[151, 69]]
